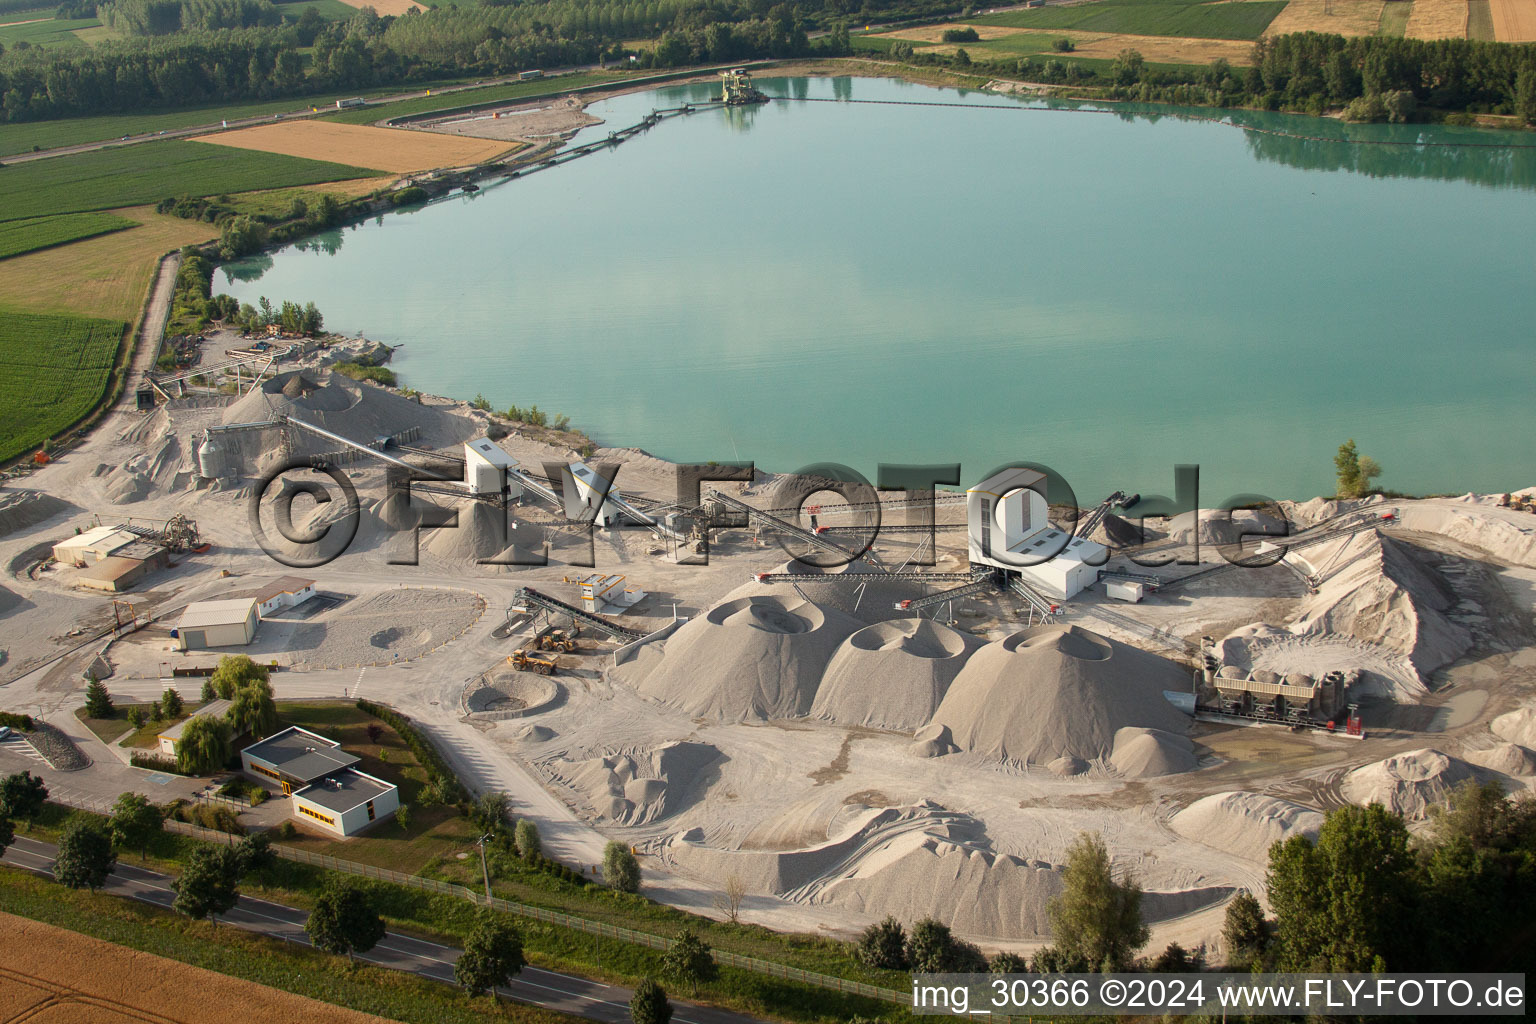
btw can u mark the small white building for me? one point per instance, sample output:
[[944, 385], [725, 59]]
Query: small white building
[[283, 592], [583, 489], [1009, 527], [605, 594], [207, 624], [485, 469], [93, 545], [346, 803], [172, 736]]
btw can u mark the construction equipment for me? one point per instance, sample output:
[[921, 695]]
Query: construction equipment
[[765, 520], [180, 534], [525, 662], [557, 640], [1119, 499], [554, 606]]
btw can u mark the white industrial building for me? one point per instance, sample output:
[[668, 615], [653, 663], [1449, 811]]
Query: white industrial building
[[328, 792], [228, 623], [486, 469], [93, 545], [283, 592], [604, 594], [1008, 527], [582, 488]]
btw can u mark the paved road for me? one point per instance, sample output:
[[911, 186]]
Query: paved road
[[563, 992]]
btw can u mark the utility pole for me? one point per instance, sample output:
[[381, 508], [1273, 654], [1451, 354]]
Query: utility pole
[[484, 870]]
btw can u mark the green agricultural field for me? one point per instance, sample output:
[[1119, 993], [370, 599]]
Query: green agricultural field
[[53, 32], [464, 97], [19, 236], [330, 10], [25, 136], [1237, 20], [53, 371], [147, 173]]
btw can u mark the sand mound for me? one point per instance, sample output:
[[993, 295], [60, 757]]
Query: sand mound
[[1518, 726], [536, 733], [1407, 783], [20, 510], [483, 532], [638, 787], [1058, 691], [892, 675], [1065, 766], [1383, 596], [754, 657], [910, 862], [1148, 753], [1245, 824], [359, 412], [1505, 758], [933, 741], [125, 487], [9, 600]]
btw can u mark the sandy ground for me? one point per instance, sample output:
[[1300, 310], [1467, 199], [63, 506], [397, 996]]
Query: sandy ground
[[1169, 49], [385, 149], [531, 123], [1440, 19], [1514, 21], [41, 980], [1341, 17]]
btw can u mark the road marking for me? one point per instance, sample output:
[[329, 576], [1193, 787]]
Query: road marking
[[357, 685]]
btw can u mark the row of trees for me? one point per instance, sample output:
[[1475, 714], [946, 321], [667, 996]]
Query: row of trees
[[194, 307]]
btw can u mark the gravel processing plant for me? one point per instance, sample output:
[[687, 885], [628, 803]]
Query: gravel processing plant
[[733, 686]]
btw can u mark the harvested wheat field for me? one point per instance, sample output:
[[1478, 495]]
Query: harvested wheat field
[[1107, 45], [360, 145], [41, 982], [384, 7], [1438, 19], [1514, 21], [935, 33], [1343, 17]]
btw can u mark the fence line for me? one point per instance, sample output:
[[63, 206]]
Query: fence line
[[599, 928]]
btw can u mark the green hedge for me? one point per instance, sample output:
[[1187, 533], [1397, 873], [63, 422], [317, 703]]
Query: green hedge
[[441, 777], [22, 722]]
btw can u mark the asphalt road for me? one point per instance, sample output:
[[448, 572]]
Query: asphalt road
[[562, 992]]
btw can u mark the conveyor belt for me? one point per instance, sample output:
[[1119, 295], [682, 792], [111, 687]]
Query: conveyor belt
[[623, 634]]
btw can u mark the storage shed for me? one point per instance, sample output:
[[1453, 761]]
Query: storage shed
[[283, 592], [172, 736], [206, 624], [93, 545]]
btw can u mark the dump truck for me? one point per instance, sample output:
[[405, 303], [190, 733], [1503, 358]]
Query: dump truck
[[525, 662]]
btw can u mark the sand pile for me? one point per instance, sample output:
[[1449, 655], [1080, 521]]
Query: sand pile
[[1518, 726], [1505, 758], [640, 786], [1245, 824], [911, 862], [359, 412], [1507, 535], [9, 600], [1383, 596], [1217, 528], [1058, 691], [536, 733], [892, 675], [483, 532], [933, 741], [1407, 783], [753, 657], [875, 599], [20, 510], [1148, 753]]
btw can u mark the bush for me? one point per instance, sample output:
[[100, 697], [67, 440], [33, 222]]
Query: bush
[[620, 869], [1365, 110], [155, 763], [20, 722], [377, 374], [960, 35], [1063, 45], [882, 946], [408, 196]]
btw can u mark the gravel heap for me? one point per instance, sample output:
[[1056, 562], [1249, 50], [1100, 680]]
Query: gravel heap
[[892, 675], [1050, 692], [1407, 783], [57, 749], [1245, 824]]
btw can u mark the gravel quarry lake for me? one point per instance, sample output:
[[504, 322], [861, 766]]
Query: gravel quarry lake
[[1109, 293]]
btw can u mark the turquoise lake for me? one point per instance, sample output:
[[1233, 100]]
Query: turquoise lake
[[983, 282]]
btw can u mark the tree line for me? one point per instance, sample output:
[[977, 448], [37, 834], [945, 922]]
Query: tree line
[[193, 52]]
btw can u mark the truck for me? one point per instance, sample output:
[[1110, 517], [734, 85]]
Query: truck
[[528, 76], [355, 101]]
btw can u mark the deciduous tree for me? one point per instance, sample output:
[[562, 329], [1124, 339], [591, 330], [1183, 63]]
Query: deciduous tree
[[1097, 918], [493, 953], [204, 745], [688, 960], [134, 822], [344, 921], [649, 1004], [85, 857], [209, 883]]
